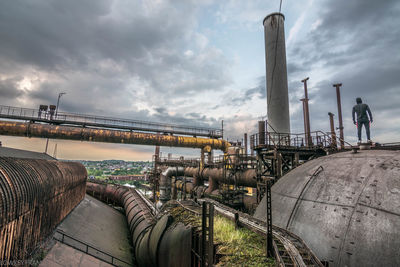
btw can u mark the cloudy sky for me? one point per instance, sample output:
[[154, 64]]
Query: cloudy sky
[[196, 63]]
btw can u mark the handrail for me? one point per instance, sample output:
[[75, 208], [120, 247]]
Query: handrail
[[337, 137], [87, 251], [102, 121], [318, 139]]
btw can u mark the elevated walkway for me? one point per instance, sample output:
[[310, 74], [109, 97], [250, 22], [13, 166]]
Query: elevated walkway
[[93, 234], [64, 118]]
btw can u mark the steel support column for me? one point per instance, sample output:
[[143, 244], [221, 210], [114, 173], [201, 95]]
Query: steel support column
[[207, 229], [270, 249], [339, 104]]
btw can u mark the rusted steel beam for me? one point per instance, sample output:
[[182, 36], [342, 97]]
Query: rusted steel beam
[[339, 104], [28, 129], [35, 196], [307, 113], [333, 132]]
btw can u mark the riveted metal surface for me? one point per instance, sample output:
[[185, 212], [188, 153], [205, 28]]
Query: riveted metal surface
[[348, 213], [35, 196]]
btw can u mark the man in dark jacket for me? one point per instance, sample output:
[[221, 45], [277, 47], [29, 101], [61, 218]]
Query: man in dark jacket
[[362, 118]]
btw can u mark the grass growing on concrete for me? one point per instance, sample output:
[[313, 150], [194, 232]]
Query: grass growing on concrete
[[241, 247], [236, 247]]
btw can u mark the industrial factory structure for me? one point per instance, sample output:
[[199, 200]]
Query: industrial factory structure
[[316, 199]]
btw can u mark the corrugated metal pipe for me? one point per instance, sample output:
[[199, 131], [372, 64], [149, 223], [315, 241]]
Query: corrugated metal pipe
[[106, 135], [156, 241], [35, 196]]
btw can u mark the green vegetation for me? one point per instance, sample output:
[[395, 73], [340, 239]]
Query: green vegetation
[[236, 247], [128, 172], [105, 168], [241, 247], [94, 172]]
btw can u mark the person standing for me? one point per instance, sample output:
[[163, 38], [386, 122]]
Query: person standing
[[362, 118]]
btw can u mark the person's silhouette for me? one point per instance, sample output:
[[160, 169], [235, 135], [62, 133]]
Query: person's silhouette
[[362, 118]]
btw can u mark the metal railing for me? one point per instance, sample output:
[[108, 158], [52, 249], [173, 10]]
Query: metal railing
[[242, 161], [283, 140], [50, 116], [89, 250]]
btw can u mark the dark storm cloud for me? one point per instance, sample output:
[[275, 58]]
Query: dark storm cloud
[[189, 119], [111, 57], [358, 42], [9, 88]]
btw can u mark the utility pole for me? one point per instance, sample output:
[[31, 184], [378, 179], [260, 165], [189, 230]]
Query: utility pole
[[58, 102], [305, 121], [338, 85], [307, 112]]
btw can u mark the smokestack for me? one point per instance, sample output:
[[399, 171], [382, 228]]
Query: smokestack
[[245, 144], [261, 132], [275, 62]]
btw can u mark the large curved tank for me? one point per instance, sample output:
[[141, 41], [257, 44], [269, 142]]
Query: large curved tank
[[345, 206]]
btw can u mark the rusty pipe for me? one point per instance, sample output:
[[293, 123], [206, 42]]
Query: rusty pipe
[[28, 129], [155, 240], [165, 181], [241, 178], [184, 187], [333, 133]]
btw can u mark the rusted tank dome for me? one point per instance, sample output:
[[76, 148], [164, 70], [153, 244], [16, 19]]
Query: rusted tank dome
[[345, 206]]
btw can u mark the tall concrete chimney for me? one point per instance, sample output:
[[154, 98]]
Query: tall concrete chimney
[[275, 63]]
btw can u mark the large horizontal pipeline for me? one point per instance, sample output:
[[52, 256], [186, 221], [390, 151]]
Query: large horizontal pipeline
[[239, 178], [35, 196], [249, 202], [29, 129], [155, 242]]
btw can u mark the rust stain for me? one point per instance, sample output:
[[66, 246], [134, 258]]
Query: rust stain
[[35, 195], [105, 135]]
